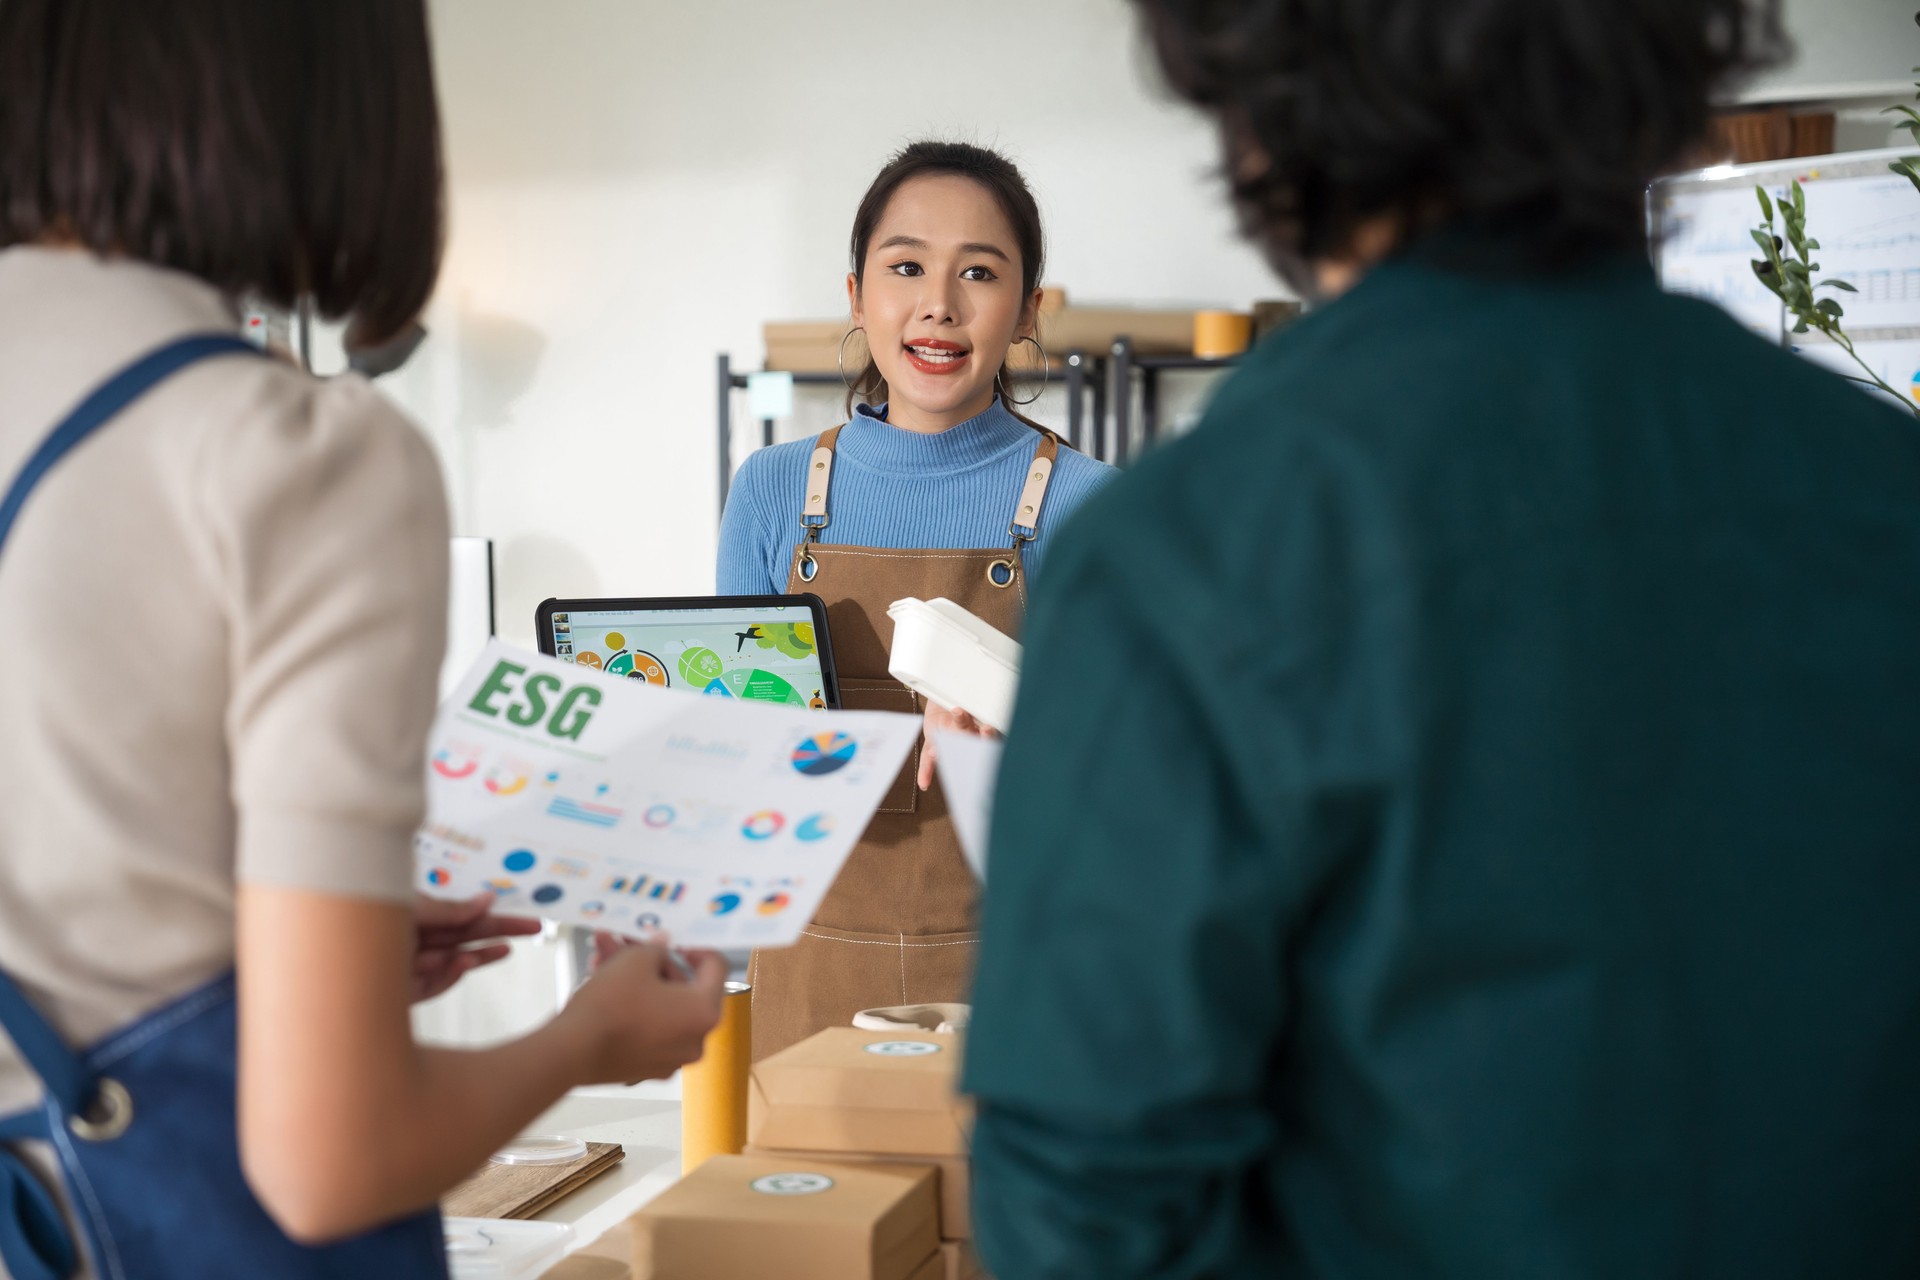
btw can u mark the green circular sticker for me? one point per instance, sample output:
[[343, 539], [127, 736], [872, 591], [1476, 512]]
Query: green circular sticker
[[793, 1184]]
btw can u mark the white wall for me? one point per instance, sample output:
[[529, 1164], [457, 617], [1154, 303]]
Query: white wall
[[637, 186], [1844, 48]]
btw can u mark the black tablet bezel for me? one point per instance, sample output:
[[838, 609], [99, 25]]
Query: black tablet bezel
[[822, 634]]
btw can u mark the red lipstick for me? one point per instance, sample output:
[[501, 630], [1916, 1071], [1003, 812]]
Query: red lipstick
[[936, 356]]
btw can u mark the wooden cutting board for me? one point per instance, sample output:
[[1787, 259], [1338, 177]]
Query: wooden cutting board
[[523, 1190]]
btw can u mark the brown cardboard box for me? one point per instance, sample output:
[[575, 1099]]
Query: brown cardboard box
[[934, 1269], [841, 1090], [956, 1180], [960, 1262], [823, 355], [737, 1217], [813, 346], [1094, 329]]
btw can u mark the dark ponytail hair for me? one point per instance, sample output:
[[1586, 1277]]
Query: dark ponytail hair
[[1002, 181]]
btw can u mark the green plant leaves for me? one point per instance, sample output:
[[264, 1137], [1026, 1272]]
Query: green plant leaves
[[1788, 268], [1908, 167]]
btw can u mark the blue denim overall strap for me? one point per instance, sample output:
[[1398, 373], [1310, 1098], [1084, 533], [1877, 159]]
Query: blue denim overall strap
[[143, 1125]]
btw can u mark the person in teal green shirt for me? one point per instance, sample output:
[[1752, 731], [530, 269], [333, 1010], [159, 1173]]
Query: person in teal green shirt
[[1462, 815]]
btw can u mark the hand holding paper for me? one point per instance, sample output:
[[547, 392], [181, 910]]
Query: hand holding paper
[[585, 798]]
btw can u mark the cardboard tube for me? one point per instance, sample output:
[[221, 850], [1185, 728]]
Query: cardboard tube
[[713, 1091], [1220, 333]]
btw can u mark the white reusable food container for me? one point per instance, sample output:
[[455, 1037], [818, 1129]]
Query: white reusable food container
[[942, 652], [536, 1148], [504, 1248]]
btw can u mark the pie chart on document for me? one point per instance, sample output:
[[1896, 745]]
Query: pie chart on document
[[825, 753]]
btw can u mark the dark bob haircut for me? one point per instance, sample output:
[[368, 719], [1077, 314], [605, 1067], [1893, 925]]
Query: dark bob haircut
[[274, 149], [1541, 119]]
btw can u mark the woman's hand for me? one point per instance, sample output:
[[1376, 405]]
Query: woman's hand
[[640, 1016], [945, 720], [445, 932]]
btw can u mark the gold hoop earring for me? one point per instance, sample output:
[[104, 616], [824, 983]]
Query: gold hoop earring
[[840, 361], [1046, 375]]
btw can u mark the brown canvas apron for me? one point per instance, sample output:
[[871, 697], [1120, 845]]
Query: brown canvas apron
[[897, 927]]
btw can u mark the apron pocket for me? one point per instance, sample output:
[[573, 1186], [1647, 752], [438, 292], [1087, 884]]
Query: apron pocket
[[890, 695], [939, 967]]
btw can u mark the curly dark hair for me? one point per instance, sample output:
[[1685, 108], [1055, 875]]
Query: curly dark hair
[[1545, 118]]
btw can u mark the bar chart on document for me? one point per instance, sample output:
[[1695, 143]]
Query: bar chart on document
[[1867, 222]]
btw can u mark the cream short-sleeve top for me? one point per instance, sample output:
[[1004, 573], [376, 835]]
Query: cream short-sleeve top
[[221, 623]]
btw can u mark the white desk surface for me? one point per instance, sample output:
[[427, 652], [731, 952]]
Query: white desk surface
[[643, 1118]]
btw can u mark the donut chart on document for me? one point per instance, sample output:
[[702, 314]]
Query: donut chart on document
[[764, 825], [774, 903], [449, 763], [504, 782]]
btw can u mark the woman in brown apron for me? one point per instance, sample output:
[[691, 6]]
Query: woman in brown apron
[[940, 491]]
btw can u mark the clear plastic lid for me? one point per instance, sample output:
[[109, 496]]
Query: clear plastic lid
[[504, 1249], [534, 1148]]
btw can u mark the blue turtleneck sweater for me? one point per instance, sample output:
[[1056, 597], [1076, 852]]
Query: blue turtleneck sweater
[[895, 488]]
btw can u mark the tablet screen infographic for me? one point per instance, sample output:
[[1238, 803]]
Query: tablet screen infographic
[[765, 653]]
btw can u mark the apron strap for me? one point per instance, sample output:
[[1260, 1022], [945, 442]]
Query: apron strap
[[813, 516], [1023, 528], [59, 1068], [1025, 525], [62, 1073], [34, 1241], [113, 395]]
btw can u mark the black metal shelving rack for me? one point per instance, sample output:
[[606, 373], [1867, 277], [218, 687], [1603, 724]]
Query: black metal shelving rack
[[1080, 373], [1100, 400], [1123, 366]]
